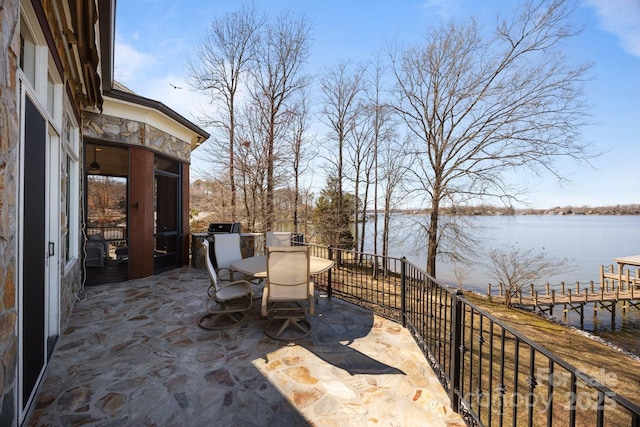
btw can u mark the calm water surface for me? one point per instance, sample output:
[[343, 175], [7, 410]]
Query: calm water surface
[[586, 241]]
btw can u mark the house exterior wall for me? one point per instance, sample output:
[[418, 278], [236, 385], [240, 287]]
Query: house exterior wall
[[135, 133], [9, 140], [69, 287], [67, 278]]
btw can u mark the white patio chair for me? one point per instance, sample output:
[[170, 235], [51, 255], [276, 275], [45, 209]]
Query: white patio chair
[[288, 285], [227, 251], [226, 302]]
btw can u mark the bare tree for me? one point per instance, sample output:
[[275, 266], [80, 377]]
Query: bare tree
[[342, 87], [460, 272], [388, 170], [375, 78], [516, 269], [359, 152], [251, 167], [106, 199], [278, 76], [223, 56], [393, 169], [301, 154], [481, 106], [211, 196]]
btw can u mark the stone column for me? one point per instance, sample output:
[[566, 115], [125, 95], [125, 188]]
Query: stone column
[[9, 145], [197, 255]]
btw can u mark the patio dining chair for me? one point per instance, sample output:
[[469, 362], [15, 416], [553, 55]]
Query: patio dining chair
[[227, 251], [273, 238], [96, 250], [287, 298], [226, 302]]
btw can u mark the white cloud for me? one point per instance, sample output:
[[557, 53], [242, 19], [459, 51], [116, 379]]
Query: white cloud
[[621, 18], [445, 9], [156, 77], [131, 65]]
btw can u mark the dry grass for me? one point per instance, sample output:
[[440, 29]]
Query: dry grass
[[592, 357]]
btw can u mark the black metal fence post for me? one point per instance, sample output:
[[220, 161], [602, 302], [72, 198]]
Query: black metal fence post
[[456, 344], [403, 291], [329, 288]]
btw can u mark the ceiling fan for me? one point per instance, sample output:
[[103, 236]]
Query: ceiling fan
[[94, 166]]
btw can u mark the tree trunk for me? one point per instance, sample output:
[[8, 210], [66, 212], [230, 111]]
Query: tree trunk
[[232, 179], [270, 186], [432, 248]]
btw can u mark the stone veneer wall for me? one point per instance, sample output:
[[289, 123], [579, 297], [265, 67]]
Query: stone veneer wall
[[69, 288], [131, 132], [71, 273], [9, 138]]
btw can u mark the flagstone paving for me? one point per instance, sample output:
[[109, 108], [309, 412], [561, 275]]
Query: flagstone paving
[[133, 355]]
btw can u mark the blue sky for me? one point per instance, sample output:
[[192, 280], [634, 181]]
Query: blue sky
[[155, 37]]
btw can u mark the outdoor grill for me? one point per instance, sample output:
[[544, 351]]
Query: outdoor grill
[[220, 228], [224, 227]]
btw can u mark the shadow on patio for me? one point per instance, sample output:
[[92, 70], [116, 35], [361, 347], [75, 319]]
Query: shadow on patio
[[132, 354]]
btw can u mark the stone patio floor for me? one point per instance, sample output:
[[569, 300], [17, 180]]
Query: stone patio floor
[[133, 355]]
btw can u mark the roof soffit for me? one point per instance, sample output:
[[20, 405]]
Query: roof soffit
[[84, 20]]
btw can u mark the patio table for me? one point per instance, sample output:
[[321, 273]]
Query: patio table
[[256, 266]]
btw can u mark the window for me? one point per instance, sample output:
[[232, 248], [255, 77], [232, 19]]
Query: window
[[39, 71], [51, 95], [69, 192], [27, 52]]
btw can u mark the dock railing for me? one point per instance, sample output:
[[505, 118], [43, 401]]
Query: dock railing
[[493, 374], [604, 296], [623, 278]]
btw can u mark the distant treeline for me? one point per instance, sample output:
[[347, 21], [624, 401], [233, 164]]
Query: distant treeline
[[633, 209]]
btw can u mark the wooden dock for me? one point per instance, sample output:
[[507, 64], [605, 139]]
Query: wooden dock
[[622, 276], [608, 295]]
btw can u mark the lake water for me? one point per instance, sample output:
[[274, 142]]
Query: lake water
[[586, 241]]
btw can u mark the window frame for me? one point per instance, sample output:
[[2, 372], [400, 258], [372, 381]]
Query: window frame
[[70, 189]]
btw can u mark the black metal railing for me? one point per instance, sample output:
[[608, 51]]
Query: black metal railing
[[494, 375], [108, 233], [115, 243]]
